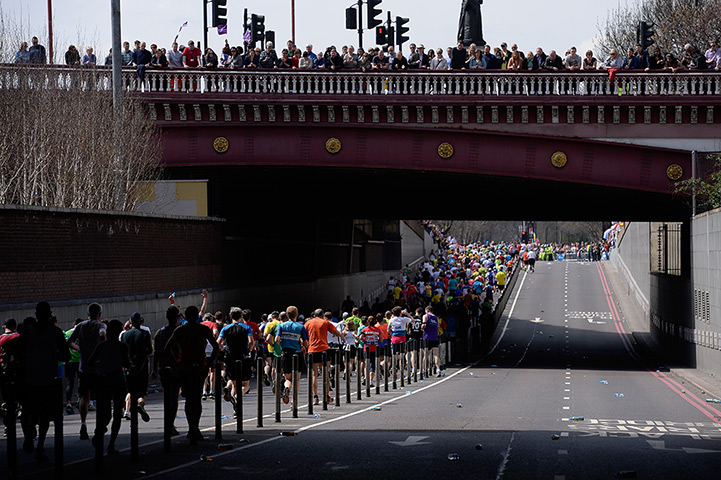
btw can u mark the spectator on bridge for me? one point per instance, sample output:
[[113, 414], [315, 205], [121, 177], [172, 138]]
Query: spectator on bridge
[[37, 52], [713, 54], [400, 63], [305, 62], [126, 56], [553, 62], [268, 58], [141, 61], [505, 55], [478, 62], [311, 55], [698, 60], [656, 61], [381, 62], [252, 61], [573, 61], [234, 59], [614, 61], [350, 59], [459, 55], [175, 57], [589, 61], [210, 59], [365, 64], [489, 59], [22, 55], [671, 63], [334, 62], [540, 59], [191, 55], [530, 63], [89, 59], [515, 62], [109, 58], [284, 62], [159, 60], [72, 56], [439, 62]]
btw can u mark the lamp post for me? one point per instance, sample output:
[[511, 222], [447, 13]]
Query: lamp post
[[50, 31]]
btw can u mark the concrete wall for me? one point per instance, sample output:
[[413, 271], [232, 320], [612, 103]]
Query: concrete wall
[[683, 313], [413, 245], [633, 260], [706, 280]]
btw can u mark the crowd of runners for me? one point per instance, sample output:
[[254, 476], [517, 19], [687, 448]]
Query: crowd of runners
[[447, 295]]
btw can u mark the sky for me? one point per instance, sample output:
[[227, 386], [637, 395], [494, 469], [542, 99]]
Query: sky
[[551, 24]]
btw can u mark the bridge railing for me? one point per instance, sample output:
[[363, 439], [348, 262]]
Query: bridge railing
[[263, 82]]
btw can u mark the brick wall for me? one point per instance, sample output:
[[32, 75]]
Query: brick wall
[[61, 254]]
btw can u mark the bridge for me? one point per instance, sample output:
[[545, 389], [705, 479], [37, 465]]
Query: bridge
[[558, 136]]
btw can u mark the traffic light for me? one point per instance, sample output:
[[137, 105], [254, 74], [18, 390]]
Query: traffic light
[[270, 36], [220, 12], [381, 35], [401, 31], [257, 28], [351, 18], [645, 33], [373, 12], [524, 237]]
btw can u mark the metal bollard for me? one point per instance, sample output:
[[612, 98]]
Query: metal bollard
[[12, 446], [359, 391], [402, 362], [324, 370], [368, 371], [99, 437], [311, 372], [238, 396], [393, 363], [387, 369], [134, 443], [378, 370], [347, 376], [408, 350], [259, 380], [218, 400], [168, 420], [417, 351], [58, 439], [296, 380], [279, 385], [337, 377]]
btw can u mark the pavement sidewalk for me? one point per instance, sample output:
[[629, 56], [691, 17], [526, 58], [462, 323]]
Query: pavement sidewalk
[[639, 326]]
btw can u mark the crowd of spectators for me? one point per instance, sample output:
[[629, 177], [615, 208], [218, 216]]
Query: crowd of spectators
[[457, 58]]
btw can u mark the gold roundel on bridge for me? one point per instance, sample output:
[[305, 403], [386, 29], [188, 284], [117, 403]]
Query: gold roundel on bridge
[[674, 172], [559, 159], [445, 150], [221, 144], [333, 145]]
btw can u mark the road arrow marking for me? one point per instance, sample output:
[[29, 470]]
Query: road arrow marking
[[411, 441], [661, 445], [537, 320]]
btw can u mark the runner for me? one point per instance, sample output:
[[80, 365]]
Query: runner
[[333, 348], [349, 340], [140, 346], [269, 336], [532, 261], [399, 326], [238, 341], [190, 340], [371, 337], [430, 334], [416, 334], [165, 360], [293, 339], [71, 371], [318, 329], [84, 339], [209, 382]]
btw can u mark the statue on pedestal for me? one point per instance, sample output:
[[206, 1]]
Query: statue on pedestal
[[470, 28]]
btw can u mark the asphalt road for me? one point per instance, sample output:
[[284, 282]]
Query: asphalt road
[[562, 350]]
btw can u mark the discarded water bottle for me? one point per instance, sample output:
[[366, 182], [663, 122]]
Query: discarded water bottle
[[555, 437], [288, 434], [577, 419], [453, 456], [470, 373], [479, 446], [377, 409], [619, 395], [317, 415], [604, 382], [459, 405], [203, 458], [409, 392]]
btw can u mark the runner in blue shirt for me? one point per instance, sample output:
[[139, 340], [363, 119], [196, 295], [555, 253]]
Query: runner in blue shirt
[[430, 334], [293, 339], [238, 341]]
